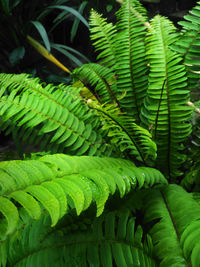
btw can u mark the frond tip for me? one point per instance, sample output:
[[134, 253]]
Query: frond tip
[[102, 34], [58, 181]]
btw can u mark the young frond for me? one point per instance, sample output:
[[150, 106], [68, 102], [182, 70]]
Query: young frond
[[58, 181], [188, 45], [102, 35], [176, 233], [165, 109], [131, 59], [125, 133]]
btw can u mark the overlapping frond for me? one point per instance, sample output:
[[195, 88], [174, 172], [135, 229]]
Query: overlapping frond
[[58, 181], [102, 35], [53, 117], [188, 45], [165, 110], [125, 133], [24, 82], [176, 235], [111, 240], [130, 55], [99, 79]]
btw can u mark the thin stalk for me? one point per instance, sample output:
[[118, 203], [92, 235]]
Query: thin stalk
[[159, 105]]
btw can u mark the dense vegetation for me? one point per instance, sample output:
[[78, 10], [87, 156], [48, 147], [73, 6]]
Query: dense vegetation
[[117, 181]]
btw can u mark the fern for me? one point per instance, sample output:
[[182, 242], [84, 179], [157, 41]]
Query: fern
[[165, 105], [53, 180], [188, 44], [113, 237], [96, 202], [53, 113], [102, 35], [176, 235], [131, 68], [126, 133], [100, 78]]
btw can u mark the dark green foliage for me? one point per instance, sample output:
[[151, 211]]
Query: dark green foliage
[[188, 44], [176, 235], [111, 238], [117, 195], [41, 19]]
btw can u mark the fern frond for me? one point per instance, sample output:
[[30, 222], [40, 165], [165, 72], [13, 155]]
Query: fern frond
[[125, 133], [23, 82], [165, 109], [111, 240], [176, 234], [100, 78], [188, 45], [53, 117], [130, 55], [102, 35], [58, 181]]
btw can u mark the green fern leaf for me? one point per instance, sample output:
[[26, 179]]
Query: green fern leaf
[[176, 234], [102, 35], [36, 112], [130, 55], [112, 239], [27, 201], [58, 181], [100, 78], [124, 132], [188, 45], [9, 211], [165, 109]]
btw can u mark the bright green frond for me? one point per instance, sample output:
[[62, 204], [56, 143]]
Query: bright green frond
[[102, 35], [130, 55], [110, 240], [126, 134], [188, 45], [55, 118], [55, 182], [165, 110], [23, 82], [176, 235]]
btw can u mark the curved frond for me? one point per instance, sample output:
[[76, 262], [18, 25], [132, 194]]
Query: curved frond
[[131, 59], [100, 78], [102, 35], [176, 234], [58, 181], [165, 109], [188, 45], [56, 118], [125, 133], [111, 240]]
